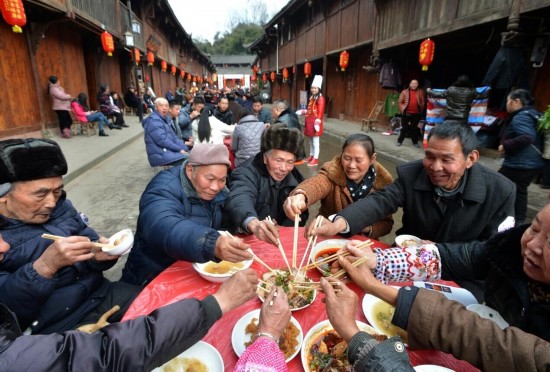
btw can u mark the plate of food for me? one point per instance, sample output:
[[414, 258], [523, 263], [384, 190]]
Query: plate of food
[[431, 368], [323, 250], [299, 295], [323, 347], [201, 357], [379, 314], [247, 327], [218, 272]]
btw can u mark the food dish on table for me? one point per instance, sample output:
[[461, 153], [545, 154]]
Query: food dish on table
[[218, 272], [379, 314], [201, 357], [240, 337], [323, 347], [324, 249], [298, 298], [431, 368], [121, 243], [406, 241]]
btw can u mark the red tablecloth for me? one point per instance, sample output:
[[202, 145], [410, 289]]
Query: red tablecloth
[[181, 281]]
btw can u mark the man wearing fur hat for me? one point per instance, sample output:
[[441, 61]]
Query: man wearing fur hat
[[260, 186], [314, 120], [180, 213], [51, 287]]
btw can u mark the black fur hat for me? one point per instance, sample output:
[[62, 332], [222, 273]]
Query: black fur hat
[[30, 159], [282, 138]]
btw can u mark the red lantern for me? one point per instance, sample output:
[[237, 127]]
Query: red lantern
[[14, 14], [188, 76], [253, 78], [273, 76], [307, 69], [164, 66], [255, 69], [285, 74], [344, 60], [194, 79], [182, 74], [138, 56], [173, 70], [150, 58], [426, 53], [107, 43], [264, 78]]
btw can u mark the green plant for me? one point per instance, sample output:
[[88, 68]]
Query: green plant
[[544, 121]]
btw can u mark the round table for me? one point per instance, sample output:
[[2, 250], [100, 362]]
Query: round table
[[180, 281]]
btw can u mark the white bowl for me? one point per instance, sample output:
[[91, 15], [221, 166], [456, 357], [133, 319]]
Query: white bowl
[[326, 245], [401, 239], [219, 278], [202, 351], [122, 242]]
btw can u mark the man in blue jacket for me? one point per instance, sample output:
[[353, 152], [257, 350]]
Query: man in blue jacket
[[51, 287], [180, 213]]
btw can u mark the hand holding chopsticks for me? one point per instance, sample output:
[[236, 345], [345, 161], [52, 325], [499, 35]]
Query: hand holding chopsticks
[[280, 246], [57, 237], [254, 257]]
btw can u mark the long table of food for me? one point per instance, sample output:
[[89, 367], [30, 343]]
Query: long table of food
[[181, 280]]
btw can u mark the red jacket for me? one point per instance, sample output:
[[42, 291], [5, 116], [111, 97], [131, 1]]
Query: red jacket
[[404, 100], [79, 112], [315, 110]]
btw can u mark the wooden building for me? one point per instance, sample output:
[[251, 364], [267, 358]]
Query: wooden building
[[467, 35], [233, 70], [63, 38]]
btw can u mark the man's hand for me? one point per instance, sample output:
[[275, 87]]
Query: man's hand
[[294, 205], [63, 252], [237, 290], [341, 305], [232, 249], [99, 255], [327, 228], [275, 313], [264, 230]]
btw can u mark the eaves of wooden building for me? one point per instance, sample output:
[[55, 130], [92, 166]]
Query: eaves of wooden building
[[467, 33], [63, 38]]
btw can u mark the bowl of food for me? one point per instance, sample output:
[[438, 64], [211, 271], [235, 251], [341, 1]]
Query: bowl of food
[[406, 241], [201, 357], [323, 348], [120, 243], [379, 314], [218, 272], [246, 327], [323, 250], [300, 295]]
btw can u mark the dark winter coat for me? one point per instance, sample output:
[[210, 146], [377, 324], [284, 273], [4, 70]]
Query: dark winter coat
[[290, 119], [161, 141], [522, 144], [174, 223], [140, 344], [59, 303], [246, 138], [486, 201], [226, 117], [459, 101], [253, 193]]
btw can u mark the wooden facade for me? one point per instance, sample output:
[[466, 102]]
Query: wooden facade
[[62, 38], [468, 34]]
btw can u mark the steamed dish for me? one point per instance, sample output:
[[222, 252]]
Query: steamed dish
[[288, 341], [223, 267], [297, 297], [184, 364]]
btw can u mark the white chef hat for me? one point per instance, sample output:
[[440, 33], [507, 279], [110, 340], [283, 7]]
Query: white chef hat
[[317, 81]]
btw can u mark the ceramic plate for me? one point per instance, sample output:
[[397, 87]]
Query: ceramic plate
[[202, 351], [319, 329], [371, 304], [263, 294], [431, 368], [239, 337], [487, 312]]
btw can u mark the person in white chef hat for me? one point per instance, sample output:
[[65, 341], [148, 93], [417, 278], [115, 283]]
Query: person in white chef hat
[[314, 119]]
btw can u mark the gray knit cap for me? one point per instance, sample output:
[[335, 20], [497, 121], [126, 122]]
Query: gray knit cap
[[208, 154]]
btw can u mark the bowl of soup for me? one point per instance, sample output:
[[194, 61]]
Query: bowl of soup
[[407, 241], [120, 243], [218, 272], [323, 250]]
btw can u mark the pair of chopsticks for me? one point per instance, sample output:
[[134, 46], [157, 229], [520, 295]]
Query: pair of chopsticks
[[311, 242], [280, 246], [95, 244], [326, 260], [254, 257]]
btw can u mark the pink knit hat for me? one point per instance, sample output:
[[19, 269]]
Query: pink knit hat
[[208, 154]]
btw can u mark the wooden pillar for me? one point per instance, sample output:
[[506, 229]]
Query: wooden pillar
[[37, 82]]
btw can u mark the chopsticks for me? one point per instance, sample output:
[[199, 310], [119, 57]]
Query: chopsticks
[[295, 246], [326, 260], [312, 240], [280, 246], [341, 273], [57, 237], [254, 257]]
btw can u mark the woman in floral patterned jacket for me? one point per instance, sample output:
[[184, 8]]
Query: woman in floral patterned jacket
[[515, 265]]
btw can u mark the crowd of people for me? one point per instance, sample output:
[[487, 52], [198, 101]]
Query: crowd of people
[[463, 212]]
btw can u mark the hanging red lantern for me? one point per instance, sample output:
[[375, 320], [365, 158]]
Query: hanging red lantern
[[264, 78], [173, 70], [273, 76], [344, 60], [188, 76], [14, 14], [285, 74], [137, 56], [426, 53], [255, 69], [253, 78], [150, 58], [107, 43], [307, 69], [182, 74], [164, 66]]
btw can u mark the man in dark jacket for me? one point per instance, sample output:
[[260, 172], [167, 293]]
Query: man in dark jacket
[[260, 186], [260, 112], [188, 114], [51, 287], [281, 113], [223, 113], [180, 213], [139, 344]]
